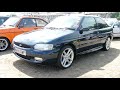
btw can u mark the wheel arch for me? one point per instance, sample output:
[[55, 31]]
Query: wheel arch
[[70, 44], [5, 38], [110, 36]]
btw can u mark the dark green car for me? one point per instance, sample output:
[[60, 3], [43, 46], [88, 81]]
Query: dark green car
[[62, 39]]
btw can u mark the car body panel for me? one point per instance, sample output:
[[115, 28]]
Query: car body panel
[[27, 39], [37, 53]]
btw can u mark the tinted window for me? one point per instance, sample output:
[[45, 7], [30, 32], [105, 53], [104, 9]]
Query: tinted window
[[40, 22], [89, 23], [101, 23], [12, 21], [117, 24], [3, 19], [28, 22]]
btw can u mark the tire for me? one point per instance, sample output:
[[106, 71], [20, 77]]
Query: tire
[[65, 57], [4, 44], [106, 45]]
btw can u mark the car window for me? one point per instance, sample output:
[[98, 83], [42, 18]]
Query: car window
[[117, 24], [40, 22], [3, 19], [12, 21], [101, 23], [28, 22], [89, 23]]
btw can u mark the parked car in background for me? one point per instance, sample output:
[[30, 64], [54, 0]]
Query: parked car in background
[[62, 39], [115, 24], [18, 25], [3, 19]]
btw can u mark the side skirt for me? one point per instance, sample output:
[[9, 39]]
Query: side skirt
[[91, 50]]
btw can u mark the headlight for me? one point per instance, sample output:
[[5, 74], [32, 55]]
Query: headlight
[[43, 47]]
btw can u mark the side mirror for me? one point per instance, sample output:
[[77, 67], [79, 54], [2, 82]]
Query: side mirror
[[20, 26], [115, 26], [82, 30]]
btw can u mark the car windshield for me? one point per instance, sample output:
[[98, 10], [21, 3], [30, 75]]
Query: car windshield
[[64, 22], [12, 21], [3, 19], [110, 23]]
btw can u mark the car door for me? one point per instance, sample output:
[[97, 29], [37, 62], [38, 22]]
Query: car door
[[88, 37], [27, 24], [102, 30]]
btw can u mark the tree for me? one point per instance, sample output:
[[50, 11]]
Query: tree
[[115, 15]]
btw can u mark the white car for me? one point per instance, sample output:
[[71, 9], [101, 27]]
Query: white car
[[113, 22]]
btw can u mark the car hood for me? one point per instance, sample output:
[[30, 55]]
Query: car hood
[[6, 27], [41, 36]]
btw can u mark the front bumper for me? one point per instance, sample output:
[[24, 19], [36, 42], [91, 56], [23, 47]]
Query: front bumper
[[46, 56], [116, 34]]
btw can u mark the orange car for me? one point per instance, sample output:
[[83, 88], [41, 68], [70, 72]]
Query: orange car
[[17, 25]]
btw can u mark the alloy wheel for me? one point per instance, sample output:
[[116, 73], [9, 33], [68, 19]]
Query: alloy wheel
[[108, 42], [3, 44], [67, 57]]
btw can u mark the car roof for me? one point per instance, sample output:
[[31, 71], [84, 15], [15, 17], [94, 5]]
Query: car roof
[[20, 17], [29, 17], [25, 17], [4, 16]]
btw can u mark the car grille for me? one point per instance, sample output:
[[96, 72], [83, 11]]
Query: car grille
[[25, 57], [22, 45]]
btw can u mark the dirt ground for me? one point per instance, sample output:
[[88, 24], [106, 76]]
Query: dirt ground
[[99, 64]]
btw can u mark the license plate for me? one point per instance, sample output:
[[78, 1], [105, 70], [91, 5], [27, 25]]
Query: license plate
[[19, 51]]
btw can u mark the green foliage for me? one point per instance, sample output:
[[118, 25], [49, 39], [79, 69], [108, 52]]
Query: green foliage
[[118, 18], [115, 15]]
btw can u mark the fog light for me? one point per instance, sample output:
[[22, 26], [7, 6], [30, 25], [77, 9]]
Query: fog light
[[38, 59]]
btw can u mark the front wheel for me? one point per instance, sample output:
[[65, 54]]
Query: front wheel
[[4, 44], [66, 57], [106, 46]]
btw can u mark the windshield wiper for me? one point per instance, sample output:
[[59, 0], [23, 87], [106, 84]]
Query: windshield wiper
[[70, 28], [54, 28], [11, 25], [51, 28], [3, 25]]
